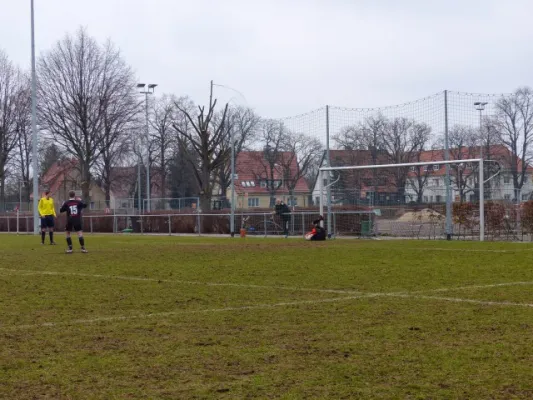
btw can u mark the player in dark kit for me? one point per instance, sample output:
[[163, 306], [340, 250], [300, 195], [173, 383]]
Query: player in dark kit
[[73, 209]]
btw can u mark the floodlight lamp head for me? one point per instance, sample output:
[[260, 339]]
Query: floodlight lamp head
[[480, 105], [141, 85]]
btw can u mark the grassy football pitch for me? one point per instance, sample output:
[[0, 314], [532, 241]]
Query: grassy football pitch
[[179, 318]]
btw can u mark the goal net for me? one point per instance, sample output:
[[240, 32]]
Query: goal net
[[427, 199]]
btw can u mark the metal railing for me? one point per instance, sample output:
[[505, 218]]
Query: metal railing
[[503, 222]]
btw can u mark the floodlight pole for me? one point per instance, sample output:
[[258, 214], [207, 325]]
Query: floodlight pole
[[232, 138], [232, 221], [480, 106], [321, 197], [150, 90], [34, 126], [481, 202]]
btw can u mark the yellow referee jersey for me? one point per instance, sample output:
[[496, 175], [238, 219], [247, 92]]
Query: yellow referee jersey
[[46, 207]]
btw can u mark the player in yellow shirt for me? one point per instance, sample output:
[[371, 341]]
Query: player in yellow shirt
[[47, 212]]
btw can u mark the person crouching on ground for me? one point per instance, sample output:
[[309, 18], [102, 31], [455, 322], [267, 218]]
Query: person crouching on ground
[[318, 232]]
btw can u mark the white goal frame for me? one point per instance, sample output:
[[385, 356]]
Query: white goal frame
[[479, 161]]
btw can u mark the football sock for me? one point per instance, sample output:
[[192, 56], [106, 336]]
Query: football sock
[[69, 242], [51, 237], [43, 235], [82, 241]]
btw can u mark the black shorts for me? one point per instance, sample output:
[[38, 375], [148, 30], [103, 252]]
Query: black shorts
[[74, 224], [47, 221]]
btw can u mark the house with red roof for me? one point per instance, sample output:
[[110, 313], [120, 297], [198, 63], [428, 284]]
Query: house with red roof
[[261, 178], [64, 176]]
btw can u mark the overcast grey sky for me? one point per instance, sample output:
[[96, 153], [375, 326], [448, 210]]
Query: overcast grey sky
[[291, 56]]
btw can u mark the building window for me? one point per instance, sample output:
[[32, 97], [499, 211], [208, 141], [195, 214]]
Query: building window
[[263, 184], [507, 196], [292, 202], [438, 199], [426, 167], [425, 199], [436, 182], [525, 197], [436, 167], [431, 199], [506, 179], [412, 168], [253, 202]]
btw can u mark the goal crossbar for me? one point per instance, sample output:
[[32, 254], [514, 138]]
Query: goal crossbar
[[414, 164]]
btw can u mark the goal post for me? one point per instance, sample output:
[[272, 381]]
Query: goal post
[[323, 184]]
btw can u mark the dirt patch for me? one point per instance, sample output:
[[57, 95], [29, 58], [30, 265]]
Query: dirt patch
[[424, 215]]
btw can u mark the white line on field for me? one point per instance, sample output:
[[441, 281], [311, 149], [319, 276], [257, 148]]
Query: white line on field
[[173, 313], [140, 279], [459, 250], [488, 286], [252, 286], [460, 300], [262, 306]]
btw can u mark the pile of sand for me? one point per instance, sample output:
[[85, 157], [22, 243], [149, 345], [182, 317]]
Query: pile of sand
[[424, 215]]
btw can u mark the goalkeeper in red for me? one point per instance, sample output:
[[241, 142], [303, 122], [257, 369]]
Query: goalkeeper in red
[[73, 208]]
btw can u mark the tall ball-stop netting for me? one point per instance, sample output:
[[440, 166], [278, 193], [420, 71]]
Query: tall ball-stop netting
[[431, 199]]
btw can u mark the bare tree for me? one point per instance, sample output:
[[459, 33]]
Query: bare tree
[[49, 154], [85, 90], [242, 125], [23, 157], [490, 142], [418, 177], [402, 140], [267, 163], [352, 137], [514, 122], [463, 143], [298, 159], [163, 136], [11, 85], [205, 139], [121, 112]]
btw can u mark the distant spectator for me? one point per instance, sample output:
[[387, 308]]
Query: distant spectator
[[282, 210]]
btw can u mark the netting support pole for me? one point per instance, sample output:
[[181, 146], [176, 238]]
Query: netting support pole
[[328, 160], [481, 202], [321, 195], [449, 227]]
